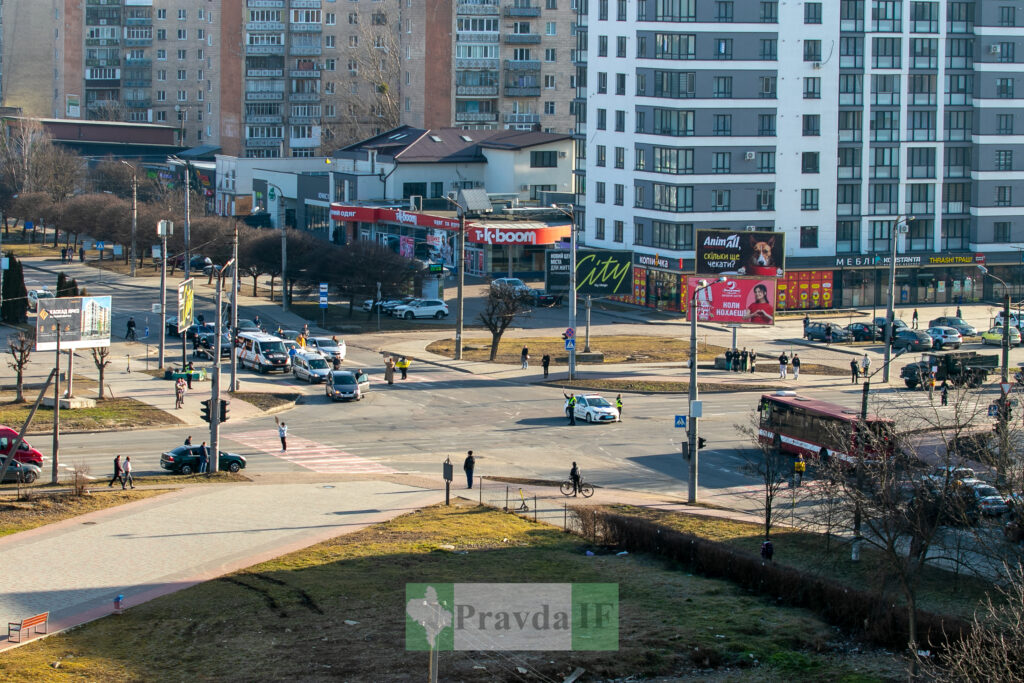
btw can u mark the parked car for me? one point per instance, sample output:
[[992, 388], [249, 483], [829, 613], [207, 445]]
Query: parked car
[[995, 336], [977, 446], [956, 323], [24, 472], [546, 299], [328, 348], [25, 454], [943, 337], [34, 295], [341, 385], [912, 340], [983, 499], [818, 331], [246, 325], [593, 408], [952, 473], [865, 331], [185, 460], [262, 352], [513, 283], [310, 366], [1015, 320], [897, 324], [289, 334], [425, 308], [204, 343], [390, 304], [196, 263]]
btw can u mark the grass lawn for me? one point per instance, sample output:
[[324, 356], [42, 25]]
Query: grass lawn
[[286, 619], [654, 386], [940, 590], [112, 414], [339, 321], [266, 400], [43, 509], [616, 348]]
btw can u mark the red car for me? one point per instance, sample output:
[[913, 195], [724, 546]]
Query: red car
[[25, 453]]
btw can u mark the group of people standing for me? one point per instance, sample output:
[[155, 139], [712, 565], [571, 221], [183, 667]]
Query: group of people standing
[[67, 254], [784, 363], [859, 368], [390, 365], [740, 361]]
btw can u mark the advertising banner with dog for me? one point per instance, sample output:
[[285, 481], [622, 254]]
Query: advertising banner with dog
[[747, 301], [740, 252]]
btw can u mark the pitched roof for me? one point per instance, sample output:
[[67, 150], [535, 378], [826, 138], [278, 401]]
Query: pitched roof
[[449, 145]]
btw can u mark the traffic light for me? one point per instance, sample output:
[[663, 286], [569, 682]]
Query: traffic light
[[701, 442], [224, 403]]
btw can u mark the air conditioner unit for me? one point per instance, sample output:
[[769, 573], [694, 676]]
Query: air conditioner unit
[[562, 155], [995, 49], [524, 188], [817, 65], [751, 227], [749, 156]]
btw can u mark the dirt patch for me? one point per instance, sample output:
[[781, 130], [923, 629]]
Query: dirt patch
[[41, 509], [267, 401]]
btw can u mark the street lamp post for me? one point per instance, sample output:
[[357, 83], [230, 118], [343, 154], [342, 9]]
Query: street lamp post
[[215, 416], [163, 230], [1003, 412], [571, 213], [693, 412], [284, 250], [186, 238], [891, 302], [135, 214], [460, 271]]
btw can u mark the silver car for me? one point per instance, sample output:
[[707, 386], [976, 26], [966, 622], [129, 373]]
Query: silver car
[[328, 348], [943, 337], [310, 366]]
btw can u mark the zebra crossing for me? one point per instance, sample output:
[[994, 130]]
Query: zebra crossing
[[309, 454]]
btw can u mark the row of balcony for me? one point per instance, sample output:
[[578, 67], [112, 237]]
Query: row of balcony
[[274, 26], [265, 4], [522, 11], [104, 62], [476, 90], [464, 8], [102, 42], [476, 37], [278, 96], [138, 21], [912, 208], [522, 38], [264, 73], [488, 116]]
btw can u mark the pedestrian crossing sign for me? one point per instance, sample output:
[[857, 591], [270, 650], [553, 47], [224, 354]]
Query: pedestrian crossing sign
[[570, 344], [681, 421]]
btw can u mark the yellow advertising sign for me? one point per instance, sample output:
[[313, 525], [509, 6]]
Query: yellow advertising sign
[[186, 305]]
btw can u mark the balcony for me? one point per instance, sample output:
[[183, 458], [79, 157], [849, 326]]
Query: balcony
[[137, 83], [304, 97], [304, 73], [517, 91], [848, 209], [103, 2], [105, 62], [305, 50], [476, 91], [264, 73], [264, 142], [522, 38], [522, 11], [300, 120], [306, 27], [476, 8], [263, 119], [264, 96], [138, 21], [475, 37], [138, 42], [465, 63], [522, 64], [102, 42], [522, 118], [956, 207], [476, 116], [264, 49], [136, 61], [138, 104], [265, 4], [267, 26], [304, 4]]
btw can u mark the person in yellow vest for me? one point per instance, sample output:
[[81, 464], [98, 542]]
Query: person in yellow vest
[[301, 341], [799, 467], [403, 365], [618, 406]]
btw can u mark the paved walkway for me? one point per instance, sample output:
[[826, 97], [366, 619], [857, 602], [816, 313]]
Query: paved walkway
[[74, 569]]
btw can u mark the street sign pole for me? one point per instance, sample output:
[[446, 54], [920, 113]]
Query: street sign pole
[[323, 304]]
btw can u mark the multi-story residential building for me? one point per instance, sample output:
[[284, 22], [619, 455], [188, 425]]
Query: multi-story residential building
[[830, 122]]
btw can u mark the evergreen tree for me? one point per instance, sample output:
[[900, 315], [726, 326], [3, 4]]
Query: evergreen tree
[[15, 303], [73, 288], [62, 284]]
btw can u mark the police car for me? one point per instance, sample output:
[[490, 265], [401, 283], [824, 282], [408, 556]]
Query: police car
[[593, 408]]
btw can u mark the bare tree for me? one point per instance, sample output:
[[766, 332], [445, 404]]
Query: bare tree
[[504, 304], [773, 470], [20, 346], [108, 110], [101, 357]]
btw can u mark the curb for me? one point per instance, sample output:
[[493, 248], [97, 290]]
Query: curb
[[435, 363], [815, 345]]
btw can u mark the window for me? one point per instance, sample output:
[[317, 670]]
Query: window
[[675, 198], [921, 162], [924, 17], [769, 49], [812, 12], [551, 4], [885, 90], [765, 200], [809, 162], [1006, 52], [851, 89], [181, 74], [182, 54], [672, 122], [885, 125], [620, 194], [1004, 160], [924, 53], [675, 46], [1004, 124], [723, 11], [1007, 16], [808, 237], [549, 54], [602, 10], [886, 16], [769, 12], [1004, 88], [329, 40], [812, 50], [959, 53], [883, 198], [674, 84], [956, 198], [722, 162], [182, 15], [812, 88], [920, 199], [921, 235], [723, 48], [620, 84], [640, 158], [551, 28], [161, 54], [959, 89], [723, 124], [620, 46], [954, 234], [549, 82], [767, 87], [812, 124], [722, 86], [601, 155], [672, 160], [847, 237], [1004, 195], [602, 46], [182, 34], [766, 125], [721, 200], [673, 236], [548, 159], [330, 18], [1001, 232], [602, 119], [617, 235], [620, 157], [851, 53], [880, 231], [766, 162], [161, 14], [809, 200], [959, 124], [847, 200], [602, 82], [675, 10], [161, 34], [599, 191], [886, 53], [620, 121], [922, 125], [599, 228]]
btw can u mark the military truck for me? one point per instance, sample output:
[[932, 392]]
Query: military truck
[[956, 367]]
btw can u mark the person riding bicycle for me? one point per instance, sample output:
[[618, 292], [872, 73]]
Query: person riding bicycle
[[131, 329], [574, 475]]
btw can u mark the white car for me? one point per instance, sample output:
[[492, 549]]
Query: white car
[[593, 408], [327, 347], [310, 366], [426, 308], [34, 295], [1014, 321], [945, 336], [513, 283]]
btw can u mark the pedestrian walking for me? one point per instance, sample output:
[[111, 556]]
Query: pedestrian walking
[[796, 366], [854, 371], [783, 365], [468, 466], [524, 357], [305, 330], [282, 433], [807, 323], [189, 369], [179, 393], [188, 440], [256, 319], [389, 370], [81, 254], [767, 550], [618, 405], [117, 471], [744, 359], [828, 334], [958, 313], [576, 477], [545, 362], [403, 365], [799, 467], [913, 319], [865, 365], [753, 360], [728, 360], [126, 469], [204, 458], [570, 408], [945, 394]]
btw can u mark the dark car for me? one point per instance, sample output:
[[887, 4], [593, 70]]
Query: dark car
[[546, 299], [818, 332], [190, 334], [185, 460], [245, 325], [897, 324], [204, 343], [20, 471], [196, 263], [912, 340], [864, 331], [956, 323]]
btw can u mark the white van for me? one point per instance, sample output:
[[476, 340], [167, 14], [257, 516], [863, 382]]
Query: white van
[[262, 352]]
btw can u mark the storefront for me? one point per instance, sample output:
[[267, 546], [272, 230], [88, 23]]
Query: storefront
[[659, 282], [513, 248], [920, 279]]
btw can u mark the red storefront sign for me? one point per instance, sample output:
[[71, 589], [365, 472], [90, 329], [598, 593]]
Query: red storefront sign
[[373, 214], [747, 301], [501, 234]]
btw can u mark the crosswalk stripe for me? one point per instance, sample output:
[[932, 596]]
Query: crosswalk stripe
[[311, 455]]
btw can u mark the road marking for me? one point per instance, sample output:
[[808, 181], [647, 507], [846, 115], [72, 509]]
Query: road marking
[[310, 454]]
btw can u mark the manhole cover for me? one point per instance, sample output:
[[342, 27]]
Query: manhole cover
[[88, 523], [328, 486]]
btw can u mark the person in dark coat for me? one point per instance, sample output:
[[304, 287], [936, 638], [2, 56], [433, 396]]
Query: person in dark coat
[[854, 372], [728, 359], [574, 475], [468, 466], [735, 360], [117, 471], [545, 363], [744, 359], [204, 458], [753, 360]]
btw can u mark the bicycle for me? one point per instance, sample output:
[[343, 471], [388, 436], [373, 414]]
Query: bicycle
[[585, 489], [130, 335]]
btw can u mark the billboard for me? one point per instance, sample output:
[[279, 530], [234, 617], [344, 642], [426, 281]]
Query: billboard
[[750, 301], [598, 273], [186, 305], [84, 323], [741, 252]]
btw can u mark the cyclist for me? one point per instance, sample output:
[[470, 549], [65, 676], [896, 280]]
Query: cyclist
[[130, 335], [574, 475]]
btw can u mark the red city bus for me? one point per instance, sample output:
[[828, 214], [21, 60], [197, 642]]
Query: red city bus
[[819, 429]]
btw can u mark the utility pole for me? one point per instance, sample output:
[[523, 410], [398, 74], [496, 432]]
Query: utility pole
[[572, 296], [215, 416], [56, 411], [460, 267], [163, 229], [234, 310], [135, 214], [695, 411], [586, 344], [891, 304], [188, 219], [284, 268]]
